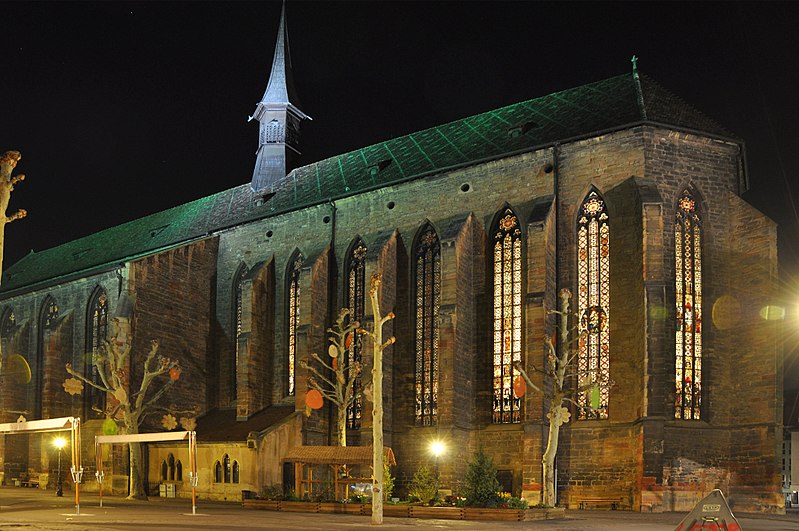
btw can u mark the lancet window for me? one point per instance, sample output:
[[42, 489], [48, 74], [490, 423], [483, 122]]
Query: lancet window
[[48, 317], [96, 334], [688, 288], [238, 315], [355, 284], [427, 256], [593, 307], [507, 242], [295, 267]]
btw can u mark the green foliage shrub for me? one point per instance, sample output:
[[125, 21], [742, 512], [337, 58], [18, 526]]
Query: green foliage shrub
[[480, 485], [424, 485], [388, 482]]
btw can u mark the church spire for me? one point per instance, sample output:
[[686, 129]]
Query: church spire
[[279, 118]]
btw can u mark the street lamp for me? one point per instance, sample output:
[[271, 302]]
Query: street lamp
[[59, 443], [437, 448]]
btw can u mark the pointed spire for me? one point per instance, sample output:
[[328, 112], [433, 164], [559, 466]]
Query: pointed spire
[[281, 86], [279, 117]]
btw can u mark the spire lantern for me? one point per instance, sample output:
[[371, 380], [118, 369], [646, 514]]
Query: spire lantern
[[279, 119]]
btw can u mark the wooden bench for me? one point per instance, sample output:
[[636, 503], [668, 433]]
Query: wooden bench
[[613, 502], [32, 481]]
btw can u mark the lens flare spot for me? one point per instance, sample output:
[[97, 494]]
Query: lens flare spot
[[658, 313], [772, 313], [726, 312]]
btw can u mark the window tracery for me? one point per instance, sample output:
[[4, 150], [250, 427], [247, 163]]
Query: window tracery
[[593, 307], [507, 237], [97, 333], [427, 255], [355, 284], [688, 288], [295, 267]]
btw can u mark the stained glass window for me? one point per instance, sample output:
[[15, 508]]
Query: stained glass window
[[688, 288], [48, 316], [237, 320], [427, 254], [507, 236], [356, 280], [593, 304], [295, 267], [96, 334]]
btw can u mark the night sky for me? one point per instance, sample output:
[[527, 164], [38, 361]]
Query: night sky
[[125, 109]]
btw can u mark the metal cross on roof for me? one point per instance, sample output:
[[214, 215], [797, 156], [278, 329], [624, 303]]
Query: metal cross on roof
[[634, 61]]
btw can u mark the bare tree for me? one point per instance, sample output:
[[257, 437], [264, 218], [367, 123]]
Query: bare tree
[[8, 161], [160, 373], [375, 388], [336, 381], [561, 371]]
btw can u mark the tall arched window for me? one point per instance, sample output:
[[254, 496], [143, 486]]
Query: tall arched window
[[178, 471], [294, 268], [171, 461], [226, 467], [238, 301], [427, 257], [164, 469], [507, 238], [217, 472], [355, 282], [96, 333], [48, 315], [593, 304], [688, 288], [235, 472]]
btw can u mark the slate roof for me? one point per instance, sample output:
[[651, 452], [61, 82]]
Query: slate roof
[[337, 455], [220, 425], [599, 107]]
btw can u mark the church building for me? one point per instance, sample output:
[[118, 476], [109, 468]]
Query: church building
[[617, 190]]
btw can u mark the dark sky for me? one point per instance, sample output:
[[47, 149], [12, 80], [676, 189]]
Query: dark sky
[[124, 109]]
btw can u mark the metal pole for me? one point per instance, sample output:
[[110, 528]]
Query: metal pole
[[193, 466], [59, 491]]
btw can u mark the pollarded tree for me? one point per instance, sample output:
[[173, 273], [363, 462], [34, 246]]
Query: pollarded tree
[[374, 392], [335, 382], [160, 373], [8, 161], [562, 373]]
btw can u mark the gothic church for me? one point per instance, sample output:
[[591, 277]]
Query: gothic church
[[617, 190]]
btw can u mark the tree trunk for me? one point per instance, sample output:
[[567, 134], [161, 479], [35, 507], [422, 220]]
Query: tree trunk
[[548, 460], [136, 487], [341, 426]]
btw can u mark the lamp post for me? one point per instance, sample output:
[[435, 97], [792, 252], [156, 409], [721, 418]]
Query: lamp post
[[59, 443]]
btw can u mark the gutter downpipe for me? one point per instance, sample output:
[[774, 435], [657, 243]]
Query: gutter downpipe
[[331, 299], [556, 191]]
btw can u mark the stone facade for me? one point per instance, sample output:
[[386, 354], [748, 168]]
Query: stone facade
[[186, 295]]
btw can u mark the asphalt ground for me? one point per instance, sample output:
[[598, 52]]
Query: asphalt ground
[[22, 508]]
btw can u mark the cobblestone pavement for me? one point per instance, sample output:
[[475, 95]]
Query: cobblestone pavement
[[40, 509]]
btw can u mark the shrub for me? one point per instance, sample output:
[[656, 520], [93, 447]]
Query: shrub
[[359, 498], [512, 502], [271, 492], [424, 485], [480, 486], [388, 482]]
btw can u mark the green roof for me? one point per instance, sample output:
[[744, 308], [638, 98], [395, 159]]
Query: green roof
[[580, 112]]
